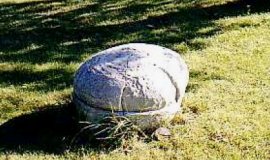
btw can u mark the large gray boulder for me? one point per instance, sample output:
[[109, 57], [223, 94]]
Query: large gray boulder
[[143, 81]]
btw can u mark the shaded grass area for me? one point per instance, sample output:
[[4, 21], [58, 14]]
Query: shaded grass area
[[48, 129], [52, 79], [65, 36], [224, 43]]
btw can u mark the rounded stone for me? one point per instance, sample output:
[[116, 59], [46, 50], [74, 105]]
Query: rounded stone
[[143, 81], [161, 133]]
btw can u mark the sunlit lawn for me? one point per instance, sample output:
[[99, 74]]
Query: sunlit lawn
[[226, 44]]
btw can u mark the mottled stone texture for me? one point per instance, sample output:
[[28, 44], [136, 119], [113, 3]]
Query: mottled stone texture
[[131, 79]]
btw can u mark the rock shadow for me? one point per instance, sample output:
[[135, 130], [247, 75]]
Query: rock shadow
[[49, 130]]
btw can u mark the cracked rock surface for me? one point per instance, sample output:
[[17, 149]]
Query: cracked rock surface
[[131, 79]]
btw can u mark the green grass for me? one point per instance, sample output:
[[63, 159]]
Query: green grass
[[225, 43]]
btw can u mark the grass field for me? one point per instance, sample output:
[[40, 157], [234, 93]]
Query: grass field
[[226, 44]]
